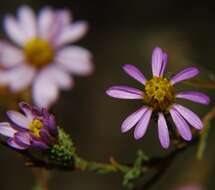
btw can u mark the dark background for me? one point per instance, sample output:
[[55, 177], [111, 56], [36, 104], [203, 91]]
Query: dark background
[[122, 32]]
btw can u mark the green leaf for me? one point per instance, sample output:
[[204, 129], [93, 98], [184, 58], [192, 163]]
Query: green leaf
[[203, 141], [135, 172]]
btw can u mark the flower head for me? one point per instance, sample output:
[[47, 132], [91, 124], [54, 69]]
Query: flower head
[[34, 128], [159, 97], [41, 57]]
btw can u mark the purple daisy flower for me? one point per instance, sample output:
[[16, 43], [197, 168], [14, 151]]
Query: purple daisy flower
[[159, 97], [36, 128], [41, 53]]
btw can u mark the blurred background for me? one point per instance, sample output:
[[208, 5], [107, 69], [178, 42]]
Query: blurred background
[[123, 32]]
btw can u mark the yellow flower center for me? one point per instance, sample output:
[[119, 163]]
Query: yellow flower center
[[38, 52], [35, 126], [159, 93]]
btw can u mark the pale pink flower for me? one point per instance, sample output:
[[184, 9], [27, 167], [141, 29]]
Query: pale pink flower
[[41, 57]]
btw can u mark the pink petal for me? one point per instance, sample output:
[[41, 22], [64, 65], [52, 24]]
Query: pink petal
[[135, 73], [181, 125], [72, 33], [132, 119], [10, 56], [6, 129], [185, 74], [194, 97], [15, 78], [19, 119], [142, 125], [27, 21], [14, 31], [61, 78], [45, 90], [163, 132], [76, 60], [159, 61], [45, 22], [189, 116], [124, 92]]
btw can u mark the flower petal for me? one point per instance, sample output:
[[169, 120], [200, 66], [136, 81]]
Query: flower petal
[[194, 97], [61, 78], [14, 77], [135, 73], [45, 22], [163, 132], [6, 129], [132, 119], [11, 142], [72, 33], [189, 116], [76, 60], [181, 125], [185, 74], [14, 31], [124, 92], [10, 56], [159, 61], [23, 139], [39, 144], [18, 119], [142, 125], [28, 110], [27, 21], [45, 90]]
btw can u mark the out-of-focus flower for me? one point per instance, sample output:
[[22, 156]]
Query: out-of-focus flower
[[35, 128], [41, 57], [190, 187], [158, 96]]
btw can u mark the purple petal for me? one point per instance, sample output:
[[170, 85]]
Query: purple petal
[[189, 116], [181, 125], [11, 142], [124, 92], [185, 74], [39, 144], [46, 136], [28, 110], [163, 132], [23, 139], [194, 97], [159, 61], [164, 63], [132, 119], [142, 125], [7, 130], [18, 119], [49, 122], [135, 73]]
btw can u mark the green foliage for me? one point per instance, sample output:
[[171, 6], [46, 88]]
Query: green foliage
[[203, 141], [64, 151], [135, 172], [37, 187]]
